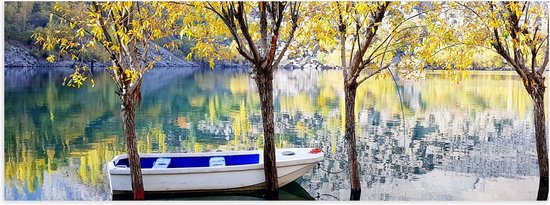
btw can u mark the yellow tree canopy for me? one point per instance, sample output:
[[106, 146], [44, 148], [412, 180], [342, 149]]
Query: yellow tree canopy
[[409, 36], [223, 30], [125, 30], [515, 31], [518, 31]]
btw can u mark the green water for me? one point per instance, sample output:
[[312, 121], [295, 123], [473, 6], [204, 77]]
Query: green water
[[458, 140]]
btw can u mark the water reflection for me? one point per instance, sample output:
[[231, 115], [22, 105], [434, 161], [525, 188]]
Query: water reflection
[[458, 142], [292, 191]]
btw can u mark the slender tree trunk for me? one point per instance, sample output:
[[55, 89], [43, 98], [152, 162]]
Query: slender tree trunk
[[128, 104], [264, 81], [343, 46], [350, 91], [537, 94]]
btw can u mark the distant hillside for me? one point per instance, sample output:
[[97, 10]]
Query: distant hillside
[[20, 50]]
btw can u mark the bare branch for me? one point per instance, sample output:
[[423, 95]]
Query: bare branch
[[240, 16], [352, 50], [116, 61], [391, 36], [385, 51], [271, 53], [378, 16], [476, 14], [342, 28], [542, 43], [263, 27], [374, 73], [394, 29], [540, 71], [294, 11], [227, 17]]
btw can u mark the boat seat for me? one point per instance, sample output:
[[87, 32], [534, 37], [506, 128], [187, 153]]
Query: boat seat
[[217, 162], [161, 163]]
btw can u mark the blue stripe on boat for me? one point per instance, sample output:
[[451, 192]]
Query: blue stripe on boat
[[186, 162]]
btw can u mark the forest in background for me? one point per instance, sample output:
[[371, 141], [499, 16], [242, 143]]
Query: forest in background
[[22, 19], [25, 18]]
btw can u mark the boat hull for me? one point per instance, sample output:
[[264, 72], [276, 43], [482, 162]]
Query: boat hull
[[215, 179]]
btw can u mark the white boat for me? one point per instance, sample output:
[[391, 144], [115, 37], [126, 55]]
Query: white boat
[[211, 171]]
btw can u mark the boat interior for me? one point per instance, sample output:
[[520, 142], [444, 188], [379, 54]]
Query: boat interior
[[192, 161]]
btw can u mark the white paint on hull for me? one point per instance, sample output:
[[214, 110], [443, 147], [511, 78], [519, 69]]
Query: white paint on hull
[[289, 168]]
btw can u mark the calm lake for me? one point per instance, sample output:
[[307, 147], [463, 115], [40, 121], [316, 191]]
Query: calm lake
[[467, 141]]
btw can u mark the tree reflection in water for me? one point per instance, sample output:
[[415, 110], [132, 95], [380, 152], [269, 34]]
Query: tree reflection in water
[[468, 141]]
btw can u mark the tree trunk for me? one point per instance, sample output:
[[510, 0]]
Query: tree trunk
[[128, 105], [350, 90], [537, 94], [264, 81], [343, 46]]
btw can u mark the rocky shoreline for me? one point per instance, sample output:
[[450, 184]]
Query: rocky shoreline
[[20, 56], [17, 55]]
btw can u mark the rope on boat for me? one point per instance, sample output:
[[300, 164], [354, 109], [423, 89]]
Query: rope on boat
[[329, 172], [319, 196]]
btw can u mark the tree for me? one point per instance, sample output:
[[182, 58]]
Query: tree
[[359, 24], [259, 43], [126, 31], [518, 32], [352, 72], [381, 35]]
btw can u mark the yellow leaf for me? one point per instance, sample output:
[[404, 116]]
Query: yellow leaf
[[189, 56], [211, 63], [90, 44], [50, 58], [361, 8]]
